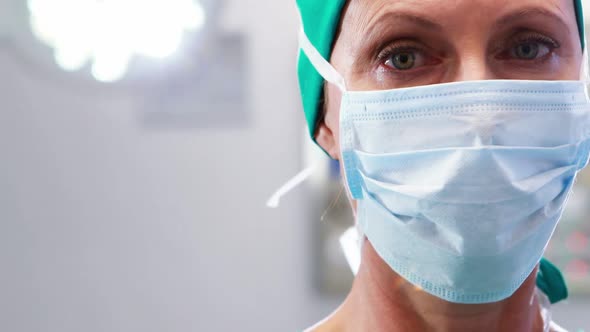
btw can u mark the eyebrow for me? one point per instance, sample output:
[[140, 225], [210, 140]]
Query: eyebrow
[[393, 16], [375, 31], [528, 13]]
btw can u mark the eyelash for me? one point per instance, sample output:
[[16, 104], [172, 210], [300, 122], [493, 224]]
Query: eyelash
[[389, 51], [421, 57], [548, 42], [534, 37]]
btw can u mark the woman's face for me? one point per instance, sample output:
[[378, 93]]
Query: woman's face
[[387, 44]]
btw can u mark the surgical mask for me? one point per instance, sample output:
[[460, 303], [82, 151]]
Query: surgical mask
[[460, 186]]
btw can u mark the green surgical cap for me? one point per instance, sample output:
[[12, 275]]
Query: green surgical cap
[[321, 19]]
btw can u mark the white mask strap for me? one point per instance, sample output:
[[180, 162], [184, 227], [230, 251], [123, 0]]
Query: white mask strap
[[320, 64], [350, 243], [275, 199], [584, 70]]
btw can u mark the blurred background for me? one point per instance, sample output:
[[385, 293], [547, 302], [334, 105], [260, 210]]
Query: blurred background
[[139, 142]]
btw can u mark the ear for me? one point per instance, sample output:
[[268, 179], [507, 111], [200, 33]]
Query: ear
[[327, 130], [325, 137]]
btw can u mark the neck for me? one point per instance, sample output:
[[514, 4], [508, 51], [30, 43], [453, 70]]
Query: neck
[[381, 300]]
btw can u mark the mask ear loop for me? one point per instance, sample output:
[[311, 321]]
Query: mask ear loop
[[274, 201], [350, 241], [330, 74], [324, 68], [585, 72], [585, 79]]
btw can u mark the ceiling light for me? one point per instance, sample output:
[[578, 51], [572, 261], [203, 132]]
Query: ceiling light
[[107, 33]]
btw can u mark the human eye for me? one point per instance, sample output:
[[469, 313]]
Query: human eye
[[403, 57], [529, 47]]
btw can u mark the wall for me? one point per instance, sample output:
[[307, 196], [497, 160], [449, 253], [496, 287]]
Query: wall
[[106, 225]]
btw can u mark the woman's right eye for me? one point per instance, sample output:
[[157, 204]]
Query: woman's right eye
[[402, 58]]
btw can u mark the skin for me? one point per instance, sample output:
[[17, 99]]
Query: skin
[[388, 44]]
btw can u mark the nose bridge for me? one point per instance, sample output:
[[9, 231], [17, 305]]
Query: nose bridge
[[471, 55], [473, 65]]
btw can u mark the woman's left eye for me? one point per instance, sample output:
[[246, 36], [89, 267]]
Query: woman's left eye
[[528, 47], [530, 50]]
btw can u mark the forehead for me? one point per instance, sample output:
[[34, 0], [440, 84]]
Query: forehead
[[474, 13]]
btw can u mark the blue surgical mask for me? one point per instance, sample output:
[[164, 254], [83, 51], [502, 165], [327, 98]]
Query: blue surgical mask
[[460, 186]]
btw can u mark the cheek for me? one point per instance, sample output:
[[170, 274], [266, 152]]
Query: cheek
[[570, 68], [578, 66]]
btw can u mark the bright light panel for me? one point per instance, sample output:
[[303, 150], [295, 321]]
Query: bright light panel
[[108, 33]]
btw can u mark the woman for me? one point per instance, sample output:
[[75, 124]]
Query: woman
[[460, 126]]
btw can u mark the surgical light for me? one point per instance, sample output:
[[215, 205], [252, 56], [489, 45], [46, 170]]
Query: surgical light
[[108, 33]]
